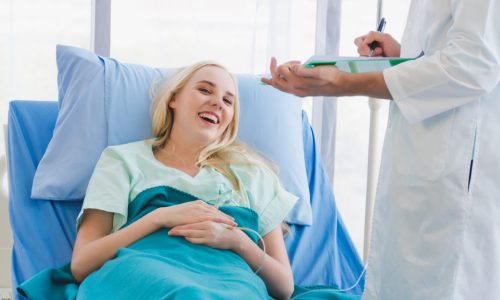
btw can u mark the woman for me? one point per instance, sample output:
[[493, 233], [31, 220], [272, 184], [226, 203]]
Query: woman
[[195, 156], [436, 225]]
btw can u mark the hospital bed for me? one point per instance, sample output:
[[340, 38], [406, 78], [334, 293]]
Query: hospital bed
[[44, 230]]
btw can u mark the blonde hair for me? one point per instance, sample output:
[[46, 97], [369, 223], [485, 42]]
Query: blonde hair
[[218, 154]]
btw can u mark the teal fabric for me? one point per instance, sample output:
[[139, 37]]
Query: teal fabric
[[159, 266], [321, 292], [51, 283]]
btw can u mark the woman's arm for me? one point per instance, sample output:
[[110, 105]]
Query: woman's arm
[[274, 267], [95, 244]]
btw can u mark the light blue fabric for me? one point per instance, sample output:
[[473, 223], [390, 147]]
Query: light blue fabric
[[329, 248], [105, 102], [44, 231], [80, 134]]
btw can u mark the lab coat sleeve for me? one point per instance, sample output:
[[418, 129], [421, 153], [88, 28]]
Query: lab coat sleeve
[[466, 68]]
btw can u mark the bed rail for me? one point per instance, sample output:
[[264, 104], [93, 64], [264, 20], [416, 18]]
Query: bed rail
[[3, 168], [5, 233], [4, 194]]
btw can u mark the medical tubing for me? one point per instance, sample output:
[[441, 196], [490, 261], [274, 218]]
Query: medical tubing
[[341, 290], [356, 283], [263, 245]]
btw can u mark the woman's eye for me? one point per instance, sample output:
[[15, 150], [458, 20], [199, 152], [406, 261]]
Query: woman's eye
[[204, 91], [228, 101]]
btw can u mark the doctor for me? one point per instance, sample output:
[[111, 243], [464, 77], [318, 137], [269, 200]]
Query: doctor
[[436, 226]]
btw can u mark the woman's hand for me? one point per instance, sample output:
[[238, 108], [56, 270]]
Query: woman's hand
[[388, 46], [209, 233], [190, 212]]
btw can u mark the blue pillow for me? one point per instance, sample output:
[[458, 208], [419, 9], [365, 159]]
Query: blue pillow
[[104, 102]]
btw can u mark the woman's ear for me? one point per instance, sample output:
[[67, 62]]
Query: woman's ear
[[172, 103]]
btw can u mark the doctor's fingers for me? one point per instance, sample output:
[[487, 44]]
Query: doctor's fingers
[[363, 47], [284, 70], [387, 45], [364, 42], [276, 80], [315, 76], [280, 84]]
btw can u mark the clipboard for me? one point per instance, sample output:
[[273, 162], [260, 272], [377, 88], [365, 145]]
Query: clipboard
[[354, 65]]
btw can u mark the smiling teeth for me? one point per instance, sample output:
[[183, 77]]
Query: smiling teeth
[[209, 117]]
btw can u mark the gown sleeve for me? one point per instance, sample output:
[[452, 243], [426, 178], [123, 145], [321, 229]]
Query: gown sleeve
[[464, 70], [266, 195], [109, 188]]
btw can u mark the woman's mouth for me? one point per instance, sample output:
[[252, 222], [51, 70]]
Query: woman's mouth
[[209, 117]]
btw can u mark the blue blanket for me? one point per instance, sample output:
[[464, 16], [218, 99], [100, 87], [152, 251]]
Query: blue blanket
[[159, 266]]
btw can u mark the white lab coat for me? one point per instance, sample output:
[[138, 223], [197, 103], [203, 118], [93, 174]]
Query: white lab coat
[[434, 237]]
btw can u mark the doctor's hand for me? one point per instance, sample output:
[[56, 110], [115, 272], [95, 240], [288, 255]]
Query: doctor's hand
[[208, 233], [388, 46], [327, 80], [294, 78], [188, 213]]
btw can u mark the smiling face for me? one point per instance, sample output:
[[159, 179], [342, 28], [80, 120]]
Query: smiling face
[[205, 106]]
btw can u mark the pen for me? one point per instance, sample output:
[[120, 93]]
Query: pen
[[375, 44]]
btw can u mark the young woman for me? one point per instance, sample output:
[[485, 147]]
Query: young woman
[[195, 153]]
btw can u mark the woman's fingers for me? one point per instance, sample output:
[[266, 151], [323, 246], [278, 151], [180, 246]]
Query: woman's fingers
[[196, 240], [219, 216], [197, 230], [219, 219], [212, 213], [186, 232]]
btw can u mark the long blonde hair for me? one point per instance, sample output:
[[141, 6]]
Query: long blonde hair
[[218, 154]]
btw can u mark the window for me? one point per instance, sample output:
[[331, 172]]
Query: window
[[241, 34], [29, 32]]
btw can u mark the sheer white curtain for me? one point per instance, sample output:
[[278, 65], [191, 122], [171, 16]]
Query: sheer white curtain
[[325, 108], [241, 34]]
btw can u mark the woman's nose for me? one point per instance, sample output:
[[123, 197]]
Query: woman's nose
[[217, 102]]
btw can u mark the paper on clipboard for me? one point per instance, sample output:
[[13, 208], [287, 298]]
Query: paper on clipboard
[[359, 64]]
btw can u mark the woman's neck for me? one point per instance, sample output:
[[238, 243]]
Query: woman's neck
[[180, 156]]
